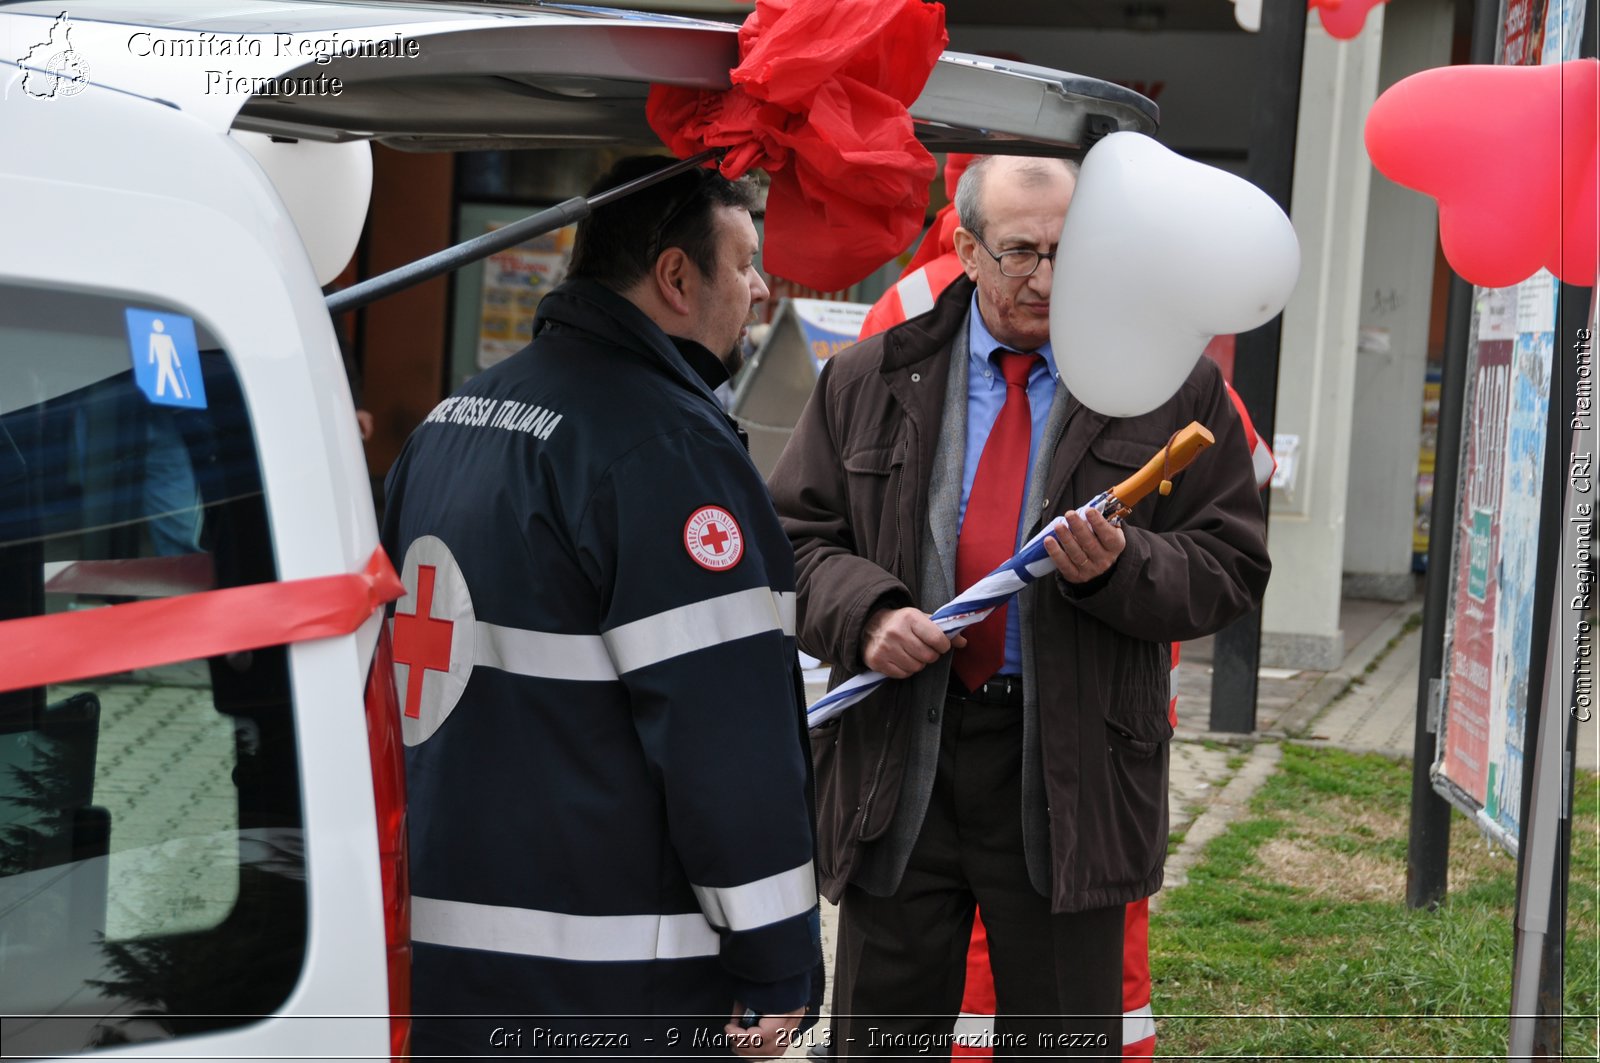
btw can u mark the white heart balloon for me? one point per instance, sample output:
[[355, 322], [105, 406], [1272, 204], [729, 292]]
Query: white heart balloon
[[1158, 255], [326, 188]]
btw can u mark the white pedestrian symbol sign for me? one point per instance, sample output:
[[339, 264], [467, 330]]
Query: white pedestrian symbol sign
[[166, 358], [164, 354]]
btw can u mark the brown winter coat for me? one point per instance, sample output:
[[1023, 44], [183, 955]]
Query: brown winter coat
[[852, 490]]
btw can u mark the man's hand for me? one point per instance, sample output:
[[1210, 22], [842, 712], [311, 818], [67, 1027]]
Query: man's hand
[[902, 642], [1085, 549], [769, 1037]]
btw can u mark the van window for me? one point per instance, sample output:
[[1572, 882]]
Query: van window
[[152, 877]]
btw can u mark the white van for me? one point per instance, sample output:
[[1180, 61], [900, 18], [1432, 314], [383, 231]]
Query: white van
[[201, 793]]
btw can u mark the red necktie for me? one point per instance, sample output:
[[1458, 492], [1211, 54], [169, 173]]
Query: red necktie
[[989, 531]]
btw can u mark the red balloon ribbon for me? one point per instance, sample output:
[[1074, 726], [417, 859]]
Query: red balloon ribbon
[[62, 647], [1512, 155]]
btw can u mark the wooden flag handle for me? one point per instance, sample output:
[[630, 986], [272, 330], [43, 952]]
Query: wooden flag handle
[[1181, 449]]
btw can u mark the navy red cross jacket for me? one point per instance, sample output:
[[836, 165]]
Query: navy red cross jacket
[[609, 790]]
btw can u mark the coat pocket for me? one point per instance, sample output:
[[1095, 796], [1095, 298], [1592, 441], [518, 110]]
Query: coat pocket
[[874, 483], [1112, 459], [1138, 735], [835, 804], [1123, 452], [858, 772], [878, 460], [1137, 747]]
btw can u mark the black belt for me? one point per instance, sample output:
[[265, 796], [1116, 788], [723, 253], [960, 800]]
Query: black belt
[[1000, 690]]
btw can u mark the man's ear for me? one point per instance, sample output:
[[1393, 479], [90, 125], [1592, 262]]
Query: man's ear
[[966, 251], [672, 277]]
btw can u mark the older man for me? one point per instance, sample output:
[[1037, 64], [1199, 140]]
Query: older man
[[1026, 771]]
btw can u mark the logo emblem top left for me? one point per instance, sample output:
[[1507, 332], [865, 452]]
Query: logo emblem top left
[[435, 635]]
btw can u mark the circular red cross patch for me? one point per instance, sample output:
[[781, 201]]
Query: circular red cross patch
[[435, 638], [713, 538]]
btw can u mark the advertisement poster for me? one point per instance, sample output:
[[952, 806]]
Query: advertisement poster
[[514, 280], [1470, 637], [828, 326], [1489, 632], [1518, 555], [1563, 31], [1522, 33]]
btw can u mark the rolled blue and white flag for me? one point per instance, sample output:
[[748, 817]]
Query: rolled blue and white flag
[[966, 608]]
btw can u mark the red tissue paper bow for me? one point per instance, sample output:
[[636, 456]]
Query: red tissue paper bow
[[819, 100], [1512, 155]]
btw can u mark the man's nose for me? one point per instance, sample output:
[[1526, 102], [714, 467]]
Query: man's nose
[[759, 293]]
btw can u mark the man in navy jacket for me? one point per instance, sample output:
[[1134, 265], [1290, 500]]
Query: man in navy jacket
[[609, 793]]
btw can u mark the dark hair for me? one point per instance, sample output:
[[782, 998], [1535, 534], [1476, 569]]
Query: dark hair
[[618, 243]]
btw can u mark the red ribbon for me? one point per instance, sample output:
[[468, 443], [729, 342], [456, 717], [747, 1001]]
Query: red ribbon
[[819, 99], [62, 647]]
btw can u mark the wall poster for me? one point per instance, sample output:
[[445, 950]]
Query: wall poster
[[1489, 629]]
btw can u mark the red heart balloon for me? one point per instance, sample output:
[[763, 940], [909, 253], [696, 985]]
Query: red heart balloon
[[1512, 154], [1343, 18]]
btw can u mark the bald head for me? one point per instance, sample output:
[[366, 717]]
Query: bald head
[[1041, 175]]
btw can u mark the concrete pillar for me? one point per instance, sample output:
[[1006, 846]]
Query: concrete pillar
[[1391, 358], [1316, 381]]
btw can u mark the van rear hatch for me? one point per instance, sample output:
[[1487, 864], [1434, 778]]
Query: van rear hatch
[[475, 76]]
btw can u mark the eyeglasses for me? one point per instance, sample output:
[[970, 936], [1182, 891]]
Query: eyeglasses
[[1018, 262]]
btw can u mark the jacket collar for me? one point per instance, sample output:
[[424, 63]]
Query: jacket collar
[[591, 307], [913, 340], [707, 366]]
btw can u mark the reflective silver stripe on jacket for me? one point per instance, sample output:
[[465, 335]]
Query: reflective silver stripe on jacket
[[1262, 461], [542, 654], [553, 935], [1138, 1025], [700, 626], [546, 655], [916, 295], [763, 902]]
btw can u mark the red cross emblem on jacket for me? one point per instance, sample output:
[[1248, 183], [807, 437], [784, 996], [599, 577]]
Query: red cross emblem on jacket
[[421, 641]]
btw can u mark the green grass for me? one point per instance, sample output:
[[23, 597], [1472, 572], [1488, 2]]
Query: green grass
[[1292, 937]]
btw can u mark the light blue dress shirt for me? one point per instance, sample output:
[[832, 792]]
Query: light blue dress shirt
[[986, 394]]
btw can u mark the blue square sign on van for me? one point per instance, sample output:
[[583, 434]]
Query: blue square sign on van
[[166, 358]]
